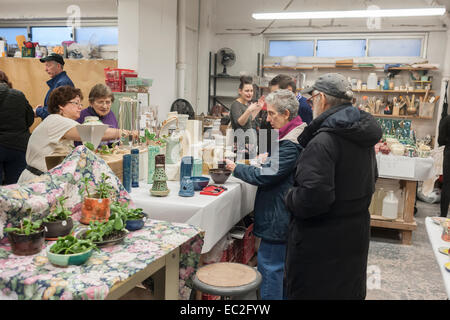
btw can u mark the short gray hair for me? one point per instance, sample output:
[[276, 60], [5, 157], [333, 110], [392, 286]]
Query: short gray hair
[[283, 100]]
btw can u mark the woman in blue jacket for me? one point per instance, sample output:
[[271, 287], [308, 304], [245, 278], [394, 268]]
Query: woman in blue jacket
[[274, 179]]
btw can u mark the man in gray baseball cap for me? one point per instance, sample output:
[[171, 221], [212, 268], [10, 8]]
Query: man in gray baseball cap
[[333, 186]]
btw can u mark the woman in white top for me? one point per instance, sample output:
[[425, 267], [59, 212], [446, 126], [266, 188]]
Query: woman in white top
[[57, 132]]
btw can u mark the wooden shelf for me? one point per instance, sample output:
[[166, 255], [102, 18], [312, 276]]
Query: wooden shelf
[[322, 67], [413, 69], [401, 117], [398, 224], [395, 91]]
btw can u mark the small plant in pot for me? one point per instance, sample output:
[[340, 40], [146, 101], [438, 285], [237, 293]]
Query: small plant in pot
[[28, 238], [96, 204], [106, 232], [134, 218], [58, 223], [69, 250]]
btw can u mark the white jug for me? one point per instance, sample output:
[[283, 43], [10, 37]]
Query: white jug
[[372, 81], [390, 206]]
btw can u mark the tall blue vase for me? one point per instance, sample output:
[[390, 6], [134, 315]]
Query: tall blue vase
[[186, 167], [152, 152], [135, 168], [127, 172]]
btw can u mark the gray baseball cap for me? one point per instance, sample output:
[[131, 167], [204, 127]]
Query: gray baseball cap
[[333, 84]]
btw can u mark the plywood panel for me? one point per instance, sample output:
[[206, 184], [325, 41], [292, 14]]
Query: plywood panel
[[28, 75]]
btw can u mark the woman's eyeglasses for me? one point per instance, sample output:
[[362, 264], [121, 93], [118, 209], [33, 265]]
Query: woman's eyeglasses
[[78, 104]]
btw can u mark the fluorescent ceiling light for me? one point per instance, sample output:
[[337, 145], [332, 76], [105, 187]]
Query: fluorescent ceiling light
[[351, 14]]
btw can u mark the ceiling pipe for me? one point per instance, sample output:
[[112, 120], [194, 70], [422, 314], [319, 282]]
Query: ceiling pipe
[[181, 48]]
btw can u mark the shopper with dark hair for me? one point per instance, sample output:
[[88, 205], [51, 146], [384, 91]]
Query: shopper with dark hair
[[243, 116], [16, 117], [57, 132], [54, 66], [444, 140], [329, 202]]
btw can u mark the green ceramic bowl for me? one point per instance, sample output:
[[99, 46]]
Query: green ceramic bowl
[[64, 260]]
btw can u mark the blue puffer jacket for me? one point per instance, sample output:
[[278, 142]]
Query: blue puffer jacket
[[271, 214], [60, 80]]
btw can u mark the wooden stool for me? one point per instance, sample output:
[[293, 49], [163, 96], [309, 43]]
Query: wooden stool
[[227, 279]]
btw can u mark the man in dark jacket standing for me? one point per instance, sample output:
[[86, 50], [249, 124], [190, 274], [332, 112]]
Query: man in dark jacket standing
[[54, 64], [334, 181]]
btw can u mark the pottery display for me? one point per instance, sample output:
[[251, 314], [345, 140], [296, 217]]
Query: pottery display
[[25, 245], [95, 209], [186, 166], [219, 176], [64, 260], [199, 182], [173, 148], [136, 224], [135, 168], [59, 228], [159, 187], [152, 152], [186, 187]]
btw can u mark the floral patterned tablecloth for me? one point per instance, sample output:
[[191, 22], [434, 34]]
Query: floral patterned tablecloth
[[34, 277]]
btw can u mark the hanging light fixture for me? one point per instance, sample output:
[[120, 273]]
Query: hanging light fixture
[[388, 13]]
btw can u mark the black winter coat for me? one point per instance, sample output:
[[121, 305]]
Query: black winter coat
[[16, 117], [330, 226]]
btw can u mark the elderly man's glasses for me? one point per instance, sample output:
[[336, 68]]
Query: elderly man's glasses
[[310, 99]]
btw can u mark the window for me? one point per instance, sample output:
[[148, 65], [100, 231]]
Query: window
[[395, 47], [51, 36], [10, 34], [341, 48], [97, 35], [281, 48]]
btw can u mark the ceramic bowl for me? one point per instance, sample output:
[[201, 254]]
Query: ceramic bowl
[[219, 176], [200, 182], [133, 225], [26, 245], [59, 228], [64, 260]]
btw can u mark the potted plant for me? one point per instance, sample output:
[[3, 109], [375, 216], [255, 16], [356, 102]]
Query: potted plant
[[134, 218], [28, 238], [106, 232], [58, 223], [69, 250], [96, 205]]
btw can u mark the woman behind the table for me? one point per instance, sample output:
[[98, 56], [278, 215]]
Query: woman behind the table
[[274, 180], [100, 100], [57, 132]]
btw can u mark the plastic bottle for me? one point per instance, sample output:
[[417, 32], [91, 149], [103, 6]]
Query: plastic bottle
[[390, 206], [372, 81]]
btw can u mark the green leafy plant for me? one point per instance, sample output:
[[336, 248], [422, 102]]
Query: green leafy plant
[[102, 190], [27, 226], [101, 231], [152, 137], [70, 245], [59, 212], [90, 146], [122, 210]]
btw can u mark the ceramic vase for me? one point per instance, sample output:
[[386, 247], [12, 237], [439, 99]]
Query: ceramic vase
[[152, 152], [197, 169], [186, 167], [173, 149], [127, 172], [95, 209], [186, 187], [159, 187], [135, 168]]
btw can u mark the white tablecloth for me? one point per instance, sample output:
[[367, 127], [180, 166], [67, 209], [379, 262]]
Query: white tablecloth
[[405, 168], [434, 234], [216, 215]]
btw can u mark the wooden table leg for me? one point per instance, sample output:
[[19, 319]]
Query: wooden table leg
[[172, 277], [406, 237], [410, 189]]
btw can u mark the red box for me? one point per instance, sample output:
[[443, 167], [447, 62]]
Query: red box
[[115, 78], [244, 249]]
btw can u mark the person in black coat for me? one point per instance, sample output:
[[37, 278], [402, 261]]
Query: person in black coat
[[333, 184], [16, 117], [444, 140]]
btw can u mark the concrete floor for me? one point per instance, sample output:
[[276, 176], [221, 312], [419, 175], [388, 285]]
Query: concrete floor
[[395, 271], [407, 272]]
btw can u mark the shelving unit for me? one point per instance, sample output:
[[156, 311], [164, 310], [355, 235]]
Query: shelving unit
[[400, 117]]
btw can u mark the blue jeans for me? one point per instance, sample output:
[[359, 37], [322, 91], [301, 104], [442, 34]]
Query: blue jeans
[[12, 163], [271, 259]]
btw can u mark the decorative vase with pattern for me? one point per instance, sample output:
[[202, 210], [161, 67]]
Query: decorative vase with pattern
[[135, 168], [127, 172], [186, 187], [186, 167], [152, 152], [159, 187]]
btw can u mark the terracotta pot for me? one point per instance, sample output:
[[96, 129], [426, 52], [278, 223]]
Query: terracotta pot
[[94, 209], [58, 228], [26, 245]]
